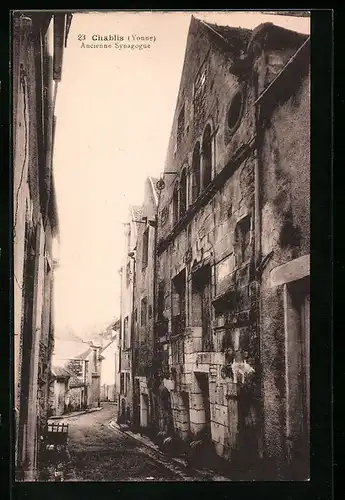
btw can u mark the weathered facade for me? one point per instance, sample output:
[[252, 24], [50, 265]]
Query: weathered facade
[[110, 374], [232, 211], [128, 279], [144, 292], [84, 366], [38, 43], [285, 237], [58, 402]]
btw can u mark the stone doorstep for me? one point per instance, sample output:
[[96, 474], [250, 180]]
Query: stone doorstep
[[179, 461]]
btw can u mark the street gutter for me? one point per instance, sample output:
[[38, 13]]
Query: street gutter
[[203, 475]]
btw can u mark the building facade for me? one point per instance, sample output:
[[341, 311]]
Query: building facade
[[110, 375], [38, 42], [127, 292], [144, 403], [230, 217]]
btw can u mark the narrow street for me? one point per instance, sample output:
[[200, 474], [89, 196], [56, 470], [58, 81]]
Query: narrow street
[[101, 452]]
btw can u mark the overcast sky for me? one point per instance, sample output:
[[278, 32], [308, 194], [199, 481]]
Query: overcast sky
[[114, 114]]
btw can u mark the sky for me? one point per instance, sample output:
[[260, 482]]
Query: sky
[[114, 114]]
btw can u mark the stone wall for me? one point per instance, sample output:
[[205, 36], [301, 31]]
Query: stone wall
[[285, 232], [211, 236]]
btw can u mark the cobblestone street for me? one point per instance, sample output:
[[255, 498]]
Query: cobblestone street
[[101, 452]]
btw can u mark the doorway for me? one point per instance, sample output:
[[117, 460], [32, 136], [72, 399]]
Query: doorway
[[144, 410], [297, 325], [203, 382], [136, 403]]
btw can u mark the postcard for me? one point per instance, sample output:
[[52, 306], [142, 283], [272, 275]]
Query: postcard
[[161, 232]]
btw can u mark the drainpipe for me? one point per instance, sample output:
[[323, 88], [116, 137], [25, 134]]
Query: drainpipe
[[154, 308], [257, 237], [132, 333]]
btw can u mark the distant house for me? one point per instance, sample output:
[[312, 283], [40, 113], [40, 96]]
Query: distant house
[[83, 365], [110, 375], [76, 394], [59, 388]]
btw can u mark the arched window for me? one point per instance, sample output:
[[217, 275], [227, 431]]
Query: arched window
[[183, 192], [206, 157], [175, 204], [196, 172]]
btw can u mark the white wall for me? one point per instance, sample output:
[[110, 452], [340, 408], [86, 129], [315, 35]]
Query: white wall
[[108, 364]]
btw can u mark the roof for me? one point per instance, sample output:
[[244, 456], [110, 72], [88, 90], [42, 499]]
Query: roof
[[227, 36], [269, 36], [60, 372], [75, 381], [84, 354], [137, 212], [156, 191], [106, 347]]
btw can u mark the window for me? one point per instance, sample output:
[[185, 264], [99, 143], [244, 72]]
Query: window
[[128, 274], [143, 316], [161, 299], [145, 248], [206, 157], [177, 352], [235, 111], [180, 125], [129, 237], [201, 304], [179, 303], [200, 81], [183, 192], [125, 333], [200, 93], [95, 360], [196, 172], [242, 241], [175, 204], [122, 383]]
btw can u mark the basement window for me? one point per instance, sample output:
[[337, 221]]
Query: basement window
[[235, 111]]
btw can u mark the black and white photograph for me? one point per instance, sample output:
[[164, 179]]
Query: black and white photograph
[[161, 245]]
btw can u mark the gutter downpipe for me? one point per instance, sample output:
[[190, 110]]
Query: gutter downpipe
[[132, 339], [154, 329], [120, 346], [258, 249]]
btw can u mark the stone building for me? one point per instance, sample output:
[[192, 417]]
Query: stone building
[[110, 374], [234, 211], [38, 42], [144, 405], [127, 291]]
